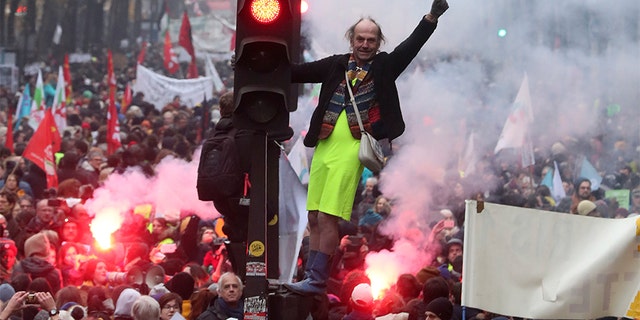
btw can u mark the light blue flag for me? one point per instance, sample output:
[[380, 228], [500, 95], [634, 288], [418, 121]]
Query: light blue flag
[[588, 171], [24, 106], [548, 180], [554, 182], [557, 190]]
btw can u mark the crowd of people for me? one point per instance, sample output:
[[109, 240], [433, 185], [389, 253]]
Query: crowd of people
[[51, 265]]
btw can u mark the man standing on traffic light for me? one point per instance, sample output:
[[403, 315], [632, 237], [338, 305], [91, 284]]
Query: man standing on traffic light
[[335, 133]]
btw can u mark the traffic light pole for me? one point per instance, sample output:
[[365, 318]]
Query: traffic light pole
[[256, 288], [267, 39], [264, 298]]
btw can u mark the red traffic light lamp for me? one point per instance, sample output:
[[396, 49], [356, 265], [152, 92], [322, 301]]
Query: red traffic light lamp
[[265, 11], [266, 40]]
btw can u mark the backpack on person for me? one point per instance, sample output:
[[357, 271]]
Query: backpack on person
[[220, 173]]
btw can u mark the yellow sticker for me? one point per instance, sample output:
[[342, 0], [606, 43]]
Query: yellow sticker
[[274, 220], [256, 249], [637, 226]]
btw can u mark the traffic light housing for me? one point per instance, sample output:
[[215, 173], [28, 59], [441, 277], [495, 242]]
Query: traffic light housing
[[267, 36]]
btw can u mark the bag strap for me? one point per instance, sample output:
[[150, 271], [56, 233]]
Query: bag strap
[[355, 108], [353, 102]]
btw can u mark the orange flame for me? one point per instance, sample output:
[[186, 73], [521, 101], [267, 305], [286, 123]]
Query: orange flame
[[104, 224], [381, 281]]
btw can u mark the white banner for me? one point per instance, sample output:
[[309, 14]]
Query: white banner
[[299, 162], [292, 220], [160, 90], [548, 265]]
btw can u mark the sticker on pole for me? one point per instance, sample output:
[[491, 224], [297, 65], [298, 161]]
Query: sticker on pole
[[255, 308], [256, 269], [256, 249]]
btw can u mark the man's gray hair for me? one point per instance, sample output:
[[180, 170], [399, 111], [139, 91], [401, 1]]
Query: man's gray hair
[[145, 308], [226, 275], [352, 30]]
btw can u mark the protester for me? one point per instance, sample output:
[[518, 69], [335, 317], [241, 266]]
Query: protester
[[145, 308], [361, 303], [229, 303], [335, 162], [35, 264], [170, 305]]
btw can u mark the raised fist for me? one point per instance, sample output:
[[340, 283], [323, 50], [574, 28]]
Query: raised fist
[[438, 7]]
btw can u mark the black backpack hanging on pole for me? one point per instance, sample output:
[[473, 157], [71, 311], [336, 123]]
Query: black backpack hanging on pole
[[220, 173]]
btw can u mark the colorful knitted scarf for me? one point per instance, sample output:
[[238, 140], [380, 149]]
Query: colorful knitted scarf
[[363, 91]]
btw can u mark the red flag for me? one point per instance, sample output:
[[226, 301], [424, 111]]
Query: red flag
[[68, 89], [126, 99], [232, 45], [8, 142], [192, 72], [185, 36], [170, 59], [43, 144], [113, 129], [143, 52]]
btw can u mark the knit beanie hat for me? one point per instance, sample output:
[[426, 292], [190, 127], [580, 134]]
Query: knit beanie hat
[[125, 302], [442, 307], [37, 246], [182, 284], [6, 292], [427, 273], [585, 206]]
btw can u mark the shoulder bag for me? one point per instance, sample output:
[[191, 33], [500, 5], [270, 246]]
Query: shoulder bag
[[370, 153]]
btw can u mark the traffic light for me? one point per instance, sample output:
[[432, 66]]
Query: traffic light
[[267, 36]]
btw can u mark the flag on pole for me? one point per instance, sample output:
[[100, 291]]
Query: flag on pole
[[24, 106], [113, 129], [57, 34], [68, 89], [192, 72], [587, 170], [38, 105], [232, 42], [143, 52], [553, 181], [170, 58], [292, 220], [515, 133], [40, 149], [126, 99], [468, 160], [557, 191], [547, 180], [59, 106], [186, 41], [212, 72], [298, 160]]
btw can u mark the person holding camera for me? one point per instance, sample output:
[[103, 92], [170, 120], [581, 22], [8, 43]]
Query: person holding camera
[[350, 256], [22, 299], [216, 261], [207, 236], [335, 134]]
